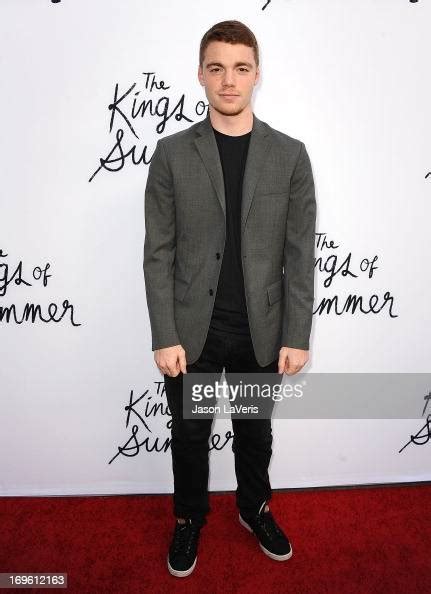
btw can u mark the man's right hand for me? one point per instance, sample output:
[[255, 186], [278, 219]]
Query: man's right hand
[[171, 360]]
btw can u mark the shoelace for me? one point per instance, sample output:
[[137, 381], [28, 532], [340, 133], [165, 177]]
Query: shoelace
[[266, 521], [183, 533]]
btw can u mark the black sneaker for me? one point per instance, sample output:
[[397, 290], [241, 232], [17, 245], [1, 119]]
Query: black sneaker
[[182, 555], [272, 539]]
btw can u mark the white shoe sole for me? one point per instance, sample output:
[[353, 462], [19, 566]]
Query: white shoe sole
[[271, 555], [185, 572]]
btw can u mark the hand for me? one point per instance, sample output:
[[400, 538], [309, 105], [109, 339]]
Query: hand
[[171, 360], [291, 360]]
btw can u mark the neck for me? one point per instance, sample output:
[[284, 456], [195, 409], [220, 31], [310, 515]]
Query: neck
[[232, 125]]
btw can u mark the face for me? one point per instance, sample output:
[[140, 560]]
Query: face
[[229, 74]]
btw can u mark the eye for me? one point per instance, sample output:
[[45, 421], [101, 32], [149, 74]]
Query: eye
[[243, 69]]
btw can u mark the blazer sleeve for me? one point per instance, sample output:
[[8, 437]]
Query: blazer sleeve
[[299, 256], [159, 250]]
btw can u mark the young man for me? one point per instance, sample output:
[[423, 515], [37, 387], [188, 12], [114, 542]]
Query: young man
[[229, 272]]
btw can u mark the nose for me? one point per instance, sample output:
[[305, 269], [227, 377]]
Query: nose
[[228, 78]]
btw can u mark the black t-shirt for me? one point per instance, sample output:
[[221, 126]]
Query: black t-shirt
[[230, 309]]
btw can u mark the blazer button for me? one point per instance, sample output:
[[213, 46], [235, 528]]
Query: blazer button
[[211, 291], [218, 255]]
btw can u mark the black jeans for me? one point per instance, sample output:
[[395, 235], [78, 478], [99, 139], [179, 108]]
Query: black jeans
[[251, 443]]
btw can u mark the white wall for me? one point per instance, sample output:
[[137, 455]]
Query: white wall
[[349, 79]]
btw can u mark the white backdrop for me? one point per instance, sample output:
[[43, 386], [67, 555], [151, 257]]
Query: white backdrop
[[348, 78]]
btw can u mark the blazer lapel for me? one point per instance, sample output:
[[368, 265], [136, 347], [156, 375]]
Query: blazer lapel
[[208, 149], [258, 151], [259, 147]]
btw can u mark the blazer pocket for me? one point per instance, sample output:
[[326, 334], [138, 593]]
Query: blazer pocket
[[275, 291], [180, 288], [273, 191], [275, 194]]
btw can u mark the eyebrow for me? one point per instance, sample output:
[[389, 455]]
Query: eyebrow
[[235, 65]]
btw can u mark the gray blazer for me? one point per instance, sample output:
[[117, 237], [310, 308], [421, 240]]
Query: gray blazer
[[185, 228]]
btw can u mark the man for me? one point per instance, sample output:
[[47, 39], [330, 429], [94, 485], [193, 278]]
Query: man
[[229, 272]]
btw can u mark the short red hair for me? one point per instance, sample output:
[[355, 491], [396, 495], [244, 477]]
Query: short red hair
[[230, 32]]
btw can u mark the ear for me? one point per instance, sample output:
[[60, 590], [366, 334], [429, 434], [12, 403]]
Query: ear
[[201, 75], [257, 78]]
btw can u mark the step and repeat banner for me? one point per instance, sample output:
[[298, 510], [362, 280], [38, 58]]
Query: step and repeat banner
[[87, 90]]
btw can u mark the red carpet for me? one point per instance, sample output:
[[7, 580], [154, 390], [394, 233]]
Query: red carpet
[[370, 539]]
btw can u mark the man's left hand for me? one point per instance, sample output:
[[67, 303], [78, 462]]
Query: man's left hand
[[291, 360]]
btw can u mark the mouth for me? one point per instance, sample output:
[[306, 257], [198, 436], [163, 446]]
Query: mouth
[[228, 95]]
